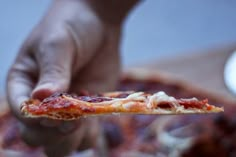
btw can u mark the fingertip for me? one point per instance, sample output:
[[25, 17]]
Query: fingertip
[[16, 105], [18, 91], [43, 90]]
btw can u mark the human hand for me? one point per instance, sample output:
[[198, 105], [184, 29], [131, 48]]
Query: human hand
[[69, 50]]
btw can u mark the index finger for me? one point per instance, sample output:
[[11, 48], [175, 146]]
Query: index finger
[[20, 82]]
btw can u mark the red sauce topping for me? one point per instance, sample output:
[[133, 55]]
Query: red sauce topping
[[57, 102], [164, 105], [192, 103]]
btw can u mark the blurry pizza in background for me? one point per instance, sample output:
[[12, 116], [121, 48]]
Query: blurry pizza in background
[[147, 135]]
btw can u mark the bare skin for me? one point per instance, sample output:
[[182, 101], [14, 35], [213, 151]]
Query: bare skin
[[75, 46]]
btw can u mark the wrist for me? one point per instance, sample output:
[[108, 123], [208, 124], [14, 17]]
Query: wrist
[[112, 11]]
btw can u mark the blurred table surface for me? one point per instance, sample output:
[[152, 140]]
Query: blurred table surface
[[203, 70]]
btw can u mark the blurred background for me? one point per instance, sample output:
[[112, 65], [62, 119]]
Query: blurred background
[[154, 30]]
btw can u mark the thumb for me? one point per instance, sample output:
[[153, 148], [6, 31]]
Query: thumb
[[55, 64]]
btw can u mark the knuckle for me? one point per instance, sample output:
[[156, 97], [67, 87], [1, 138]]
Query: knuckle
[[53, 40], [54, 45], [15, 72], [47, 45], [21, 70], [53, 69]]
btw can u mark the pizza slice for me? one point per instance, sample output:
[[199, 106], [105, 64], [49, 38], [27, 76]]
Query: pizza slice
[[63, 106]]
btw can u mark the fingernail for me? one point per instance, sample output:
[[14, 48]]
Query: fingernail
[[43, 91], [45, 86]]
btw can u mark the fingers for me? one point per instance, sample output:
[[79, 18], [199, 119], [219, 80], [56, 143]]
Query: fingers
[[63, 126], [40, 135], [103, 70], [69, 143], [21, 79], [55, 56], [55, 142]]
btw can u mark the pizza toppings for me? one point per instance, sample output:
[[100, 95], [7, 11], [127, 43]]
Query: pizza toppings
[[159, 99], [194, 103], [69, 107]]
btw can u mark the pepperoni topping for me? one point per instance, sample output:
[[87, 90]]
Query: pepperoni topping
[[193, 103], [93, 99]]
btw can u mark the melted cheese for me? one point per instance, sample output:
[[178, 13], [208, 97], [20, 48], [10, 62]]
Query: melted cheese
[[128, 105], [137, 96], [160, 97]]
